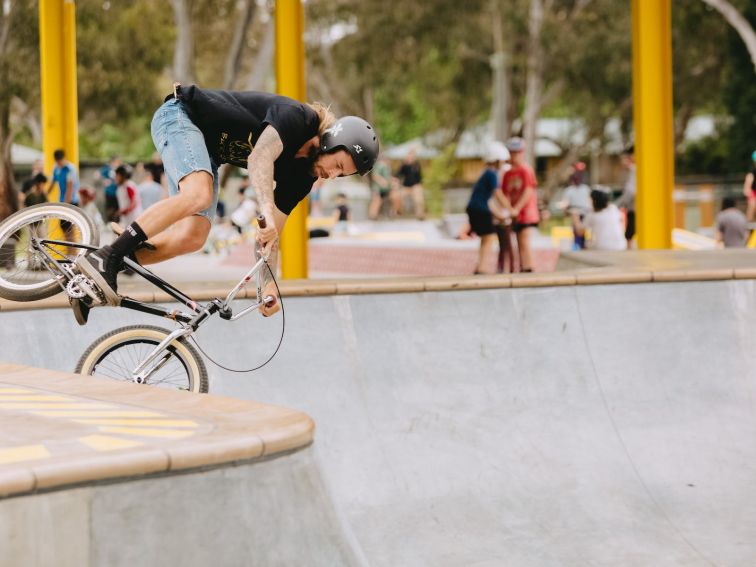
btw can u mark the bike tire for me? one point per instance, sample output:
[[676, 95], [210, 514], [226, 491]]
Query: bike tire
[[105, 348], [27, 282]]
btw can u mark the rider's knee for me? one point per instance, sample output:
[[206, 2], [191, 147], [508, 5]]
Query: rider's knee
[[197, 193]]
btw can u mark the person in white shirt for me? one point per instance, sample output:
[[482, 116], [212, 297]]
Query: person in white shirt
[[604, 223], [244, 215]]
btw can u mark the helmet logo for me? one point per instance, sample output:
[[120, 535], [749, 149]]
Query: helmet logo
[[336, 129], [357, 148]]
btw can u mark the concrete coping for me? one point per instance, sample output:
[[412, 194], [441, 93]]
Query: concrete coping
[[65, 429], [304, 288]]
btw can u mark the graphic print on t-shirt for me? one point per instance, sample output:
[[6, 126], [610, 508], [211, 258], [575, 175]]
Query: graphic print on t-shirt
[[235, 151]]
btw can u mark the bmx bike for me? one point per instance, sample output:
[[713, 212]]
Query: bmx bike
[[36, 263]]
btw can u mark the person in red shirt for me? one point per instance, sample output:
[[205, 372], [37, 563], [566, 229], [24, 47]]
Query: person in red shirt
[[519, 187]]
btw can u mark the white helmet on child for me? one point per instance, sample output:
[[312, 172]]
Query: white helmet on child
[[496, 152]]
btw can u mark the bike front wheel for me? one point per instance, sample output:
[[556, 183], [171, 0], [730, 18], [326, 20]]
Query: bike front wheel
[[23, 268], [116, 354]]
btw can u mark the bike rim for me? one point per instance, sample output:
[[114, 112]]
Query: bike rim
[[118, 361], [21, 267]]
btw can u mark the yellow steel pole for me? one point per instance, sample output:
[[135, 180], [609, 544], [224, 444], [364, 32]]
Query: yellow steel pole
[[653, 116], [290, 81], [57, 38]]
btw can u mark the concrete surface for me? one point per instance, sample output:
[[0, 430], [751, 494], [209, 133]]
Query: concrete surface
[[62, 429], [602, 425], [261, 514]]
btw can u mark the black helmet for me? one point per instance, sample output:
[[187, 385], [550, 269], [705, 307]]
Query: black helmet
[[357, 137]]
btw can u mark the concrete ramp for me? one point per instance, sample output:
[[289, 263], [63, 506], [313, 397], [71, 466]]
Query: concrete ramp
[[594, 425]]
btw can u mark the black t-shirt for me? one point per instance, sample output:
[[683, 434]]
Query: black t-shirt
[[232, 122], [410, 174], [343, 212], [753, 180]]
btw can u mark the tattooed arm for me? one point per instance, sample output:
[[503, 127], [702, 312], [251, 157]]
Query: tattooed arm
[[260, 166]]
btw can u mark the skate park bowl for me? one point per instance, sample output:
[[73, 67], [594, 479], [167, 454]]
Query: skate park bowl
[[593, 417]]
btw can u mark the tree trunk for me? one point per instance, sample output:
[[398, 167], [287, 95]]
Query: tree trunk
[[534, 89], [245, 12], [263, 62], [183, 55], [8, 193], [741, 25], [501, 86]]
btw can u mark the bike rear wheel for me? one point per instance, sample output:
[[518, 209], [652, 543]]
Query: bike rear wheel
[[116, 354], [23, 272]]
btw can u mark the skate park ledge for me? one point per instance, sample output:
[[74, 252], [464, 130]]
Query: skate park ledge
[[63, 430], [301, 288]]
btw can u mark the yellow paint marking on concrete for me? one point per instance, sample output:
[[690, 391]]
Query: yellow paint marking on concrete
[[34, 398], [149, 432], [15, 391], [107, 443], [95, 413], [23, 453], [140, 422], [53, 406]]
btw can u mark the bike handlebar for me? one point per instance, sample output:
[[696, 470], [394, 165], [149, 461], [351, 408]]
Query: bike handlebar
[[261, 222]]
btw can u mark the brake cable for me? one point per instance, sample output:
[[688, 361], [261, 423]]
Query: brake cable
[[280, 340]]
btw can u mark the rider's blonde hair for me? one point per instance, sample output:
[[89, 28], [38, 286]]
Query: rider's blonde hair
[[325, 116]]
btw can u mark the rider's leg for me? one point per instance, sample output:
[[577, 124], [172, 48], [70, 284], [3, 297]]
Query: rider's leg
[[187, 235], [195, 195]]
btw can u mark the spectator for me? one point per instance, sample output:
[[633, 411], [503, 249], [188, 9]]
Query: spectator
[[380, 188], [87, 203], [106, 176], [749, 188], [411, 177], [38, 167], [342, 215], [156, 167], [605, 224], [627, 199], [35, 194], [519, 188], [66, 178], [577, 197], [150, 191], [314, 200], [246, 212], [129, 206], [732, 225], [478, 210]]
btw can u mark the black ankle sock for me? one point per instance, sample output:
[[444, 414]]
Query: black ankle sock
[[125, 244]]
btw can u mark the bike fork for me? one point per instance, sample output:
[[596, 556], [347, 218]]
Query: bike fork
[[142, 372]]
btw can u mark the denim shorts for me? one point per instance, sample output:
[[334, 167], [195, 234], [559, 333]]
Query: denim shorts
[[182, 149]]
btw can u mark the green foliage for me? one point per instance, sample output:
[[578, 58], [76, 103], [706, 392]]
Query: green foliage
[[708, 155], [122, 52], [130, 140], [739, 98], [439, 173]]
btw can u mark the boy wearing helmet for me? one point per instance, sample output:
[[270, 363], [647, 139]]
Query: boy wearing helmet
[[286, 145]]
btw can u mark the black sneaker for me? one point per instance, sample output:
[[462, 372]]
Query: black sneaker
[[81, 309], [102, 267]]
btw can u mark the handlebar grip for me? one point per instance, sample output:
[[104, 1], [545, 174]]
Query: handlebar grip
[[261, 222]]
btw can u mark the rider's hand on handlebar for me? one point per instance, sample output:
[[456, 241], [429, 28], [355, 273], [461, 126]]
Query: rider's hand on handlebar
[[266, 310], [267, 236]]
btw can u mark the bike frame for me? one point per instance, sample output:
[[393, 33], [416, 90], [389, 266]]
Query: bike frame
[[189, 321]]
